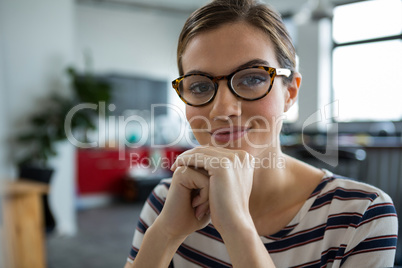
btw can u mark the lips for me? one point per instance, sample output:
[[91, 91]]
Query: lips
[[227, 134]]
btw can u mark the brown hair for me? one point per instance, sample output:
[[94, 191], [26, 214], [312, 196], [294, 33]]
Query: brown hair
[[219, 12]]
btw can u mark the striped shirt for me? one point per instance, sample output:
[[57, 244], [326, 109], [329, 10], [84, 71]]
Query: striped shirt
[[343, 223]]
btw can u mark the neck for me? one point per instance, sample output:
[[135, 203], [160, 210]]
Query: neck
[[273, 176]]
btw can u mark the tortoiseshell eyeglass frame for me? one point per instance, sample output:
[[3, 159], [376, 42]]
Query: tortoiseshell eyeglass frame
[[273, 72]]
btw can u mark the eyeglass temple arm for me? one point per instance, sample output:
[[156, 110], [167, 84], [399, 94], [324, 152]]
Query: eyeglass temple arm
[[281, 71]]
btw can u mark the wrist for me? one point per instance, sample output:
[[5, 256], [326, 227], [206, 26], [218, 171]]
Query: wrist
[[242, 225], [157, 248], [162, 230], [245, 247]]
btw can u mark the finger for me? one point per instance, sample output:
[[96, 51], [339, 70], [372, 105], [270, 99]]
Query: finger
[[182, 160], [198, 149], [202, 210], [190, 171], [203, 162], [192, 179], [201, 196], [205, 158], [195, 160]]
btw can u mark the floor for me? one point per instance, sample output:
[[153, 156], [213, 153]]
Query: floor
[[103, 240]]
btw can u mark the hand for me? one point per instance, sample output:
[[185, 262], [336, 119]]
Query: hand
[[184, 212], [230, 182]]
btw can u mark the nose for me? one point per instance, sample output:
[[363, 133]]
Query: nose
[[225, 103]]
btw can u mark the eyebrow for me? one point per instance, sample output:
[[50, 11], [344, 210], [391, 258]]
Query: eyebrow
[[252, 63], [244, 65]]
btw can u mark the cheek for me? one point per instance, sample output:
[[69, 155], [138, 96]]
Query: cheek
[[191, 116], [268, 113], [269, 107], [197, 118], [199, 124]]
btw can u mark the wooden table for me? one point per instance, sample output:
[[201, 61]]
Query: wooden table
[[22, 227]]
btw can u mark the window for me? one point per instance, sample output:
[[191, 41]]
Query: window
[[367, 60]]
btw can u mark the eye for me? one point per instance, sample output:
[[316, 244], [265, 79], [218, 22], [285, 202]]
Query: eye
[[252, 80], [200, 88]]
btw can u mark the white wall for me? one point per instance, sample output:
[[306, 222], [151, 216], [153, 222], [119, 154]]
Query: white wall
[[4, 170], [37, 43], [128, 40], [3, 124]]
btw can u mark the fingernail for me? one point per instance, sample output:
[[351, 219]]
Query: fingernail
[[172, 168], [201, 216], [196, 201]]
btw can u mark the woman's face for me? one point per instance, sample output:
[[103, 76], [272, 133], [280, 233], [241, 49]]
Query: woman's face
[[228, 121]]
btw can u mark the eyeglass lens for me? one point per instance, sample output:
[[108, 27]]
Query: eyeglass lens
[[249, 84]]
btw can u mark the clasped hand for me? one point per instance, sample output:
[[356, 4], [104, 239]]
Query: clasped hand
[[208, 183]]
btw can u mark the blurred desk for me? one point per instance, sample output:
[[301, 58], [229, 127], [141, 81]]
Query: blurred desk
[[23, 227], [137, 187]]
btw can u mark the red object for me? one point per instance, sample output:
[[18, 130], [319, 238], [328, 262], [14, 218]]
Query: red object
[[102, 170]]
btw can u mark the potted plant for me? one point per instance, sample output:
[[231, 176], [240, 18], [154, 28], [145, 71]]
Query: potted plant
[[46, 128]]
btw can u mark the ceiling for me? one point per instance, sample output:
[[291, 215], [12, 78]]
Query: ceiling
[[187, 6], [281, 5]]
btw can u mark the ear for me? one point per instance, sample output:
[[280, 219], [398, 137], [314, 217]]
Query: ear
[[292, 91]]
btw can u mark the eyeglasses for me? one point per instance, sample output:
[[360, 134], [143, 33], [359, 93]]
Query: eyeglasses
[[251, 83]]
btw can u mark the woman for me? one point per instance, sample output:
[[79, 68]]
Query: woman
[[237, 200]]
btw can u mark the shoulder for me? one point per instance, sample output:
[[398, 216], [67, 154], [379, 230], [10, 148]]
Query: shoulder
[[340, 197], [368, 216], [348, 189]]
